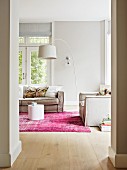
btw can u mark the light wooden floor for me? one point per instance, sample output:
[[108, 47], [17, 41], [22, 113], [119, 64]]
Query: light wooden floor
[[64, 151]]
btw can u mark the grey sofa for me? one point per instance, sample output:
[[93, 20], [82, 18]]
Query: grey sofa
[[50, 104]]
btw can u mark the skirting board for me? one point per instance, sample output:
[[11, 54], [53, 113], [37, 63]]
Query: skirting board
[[16, 152], [6, 160], [118, 160]]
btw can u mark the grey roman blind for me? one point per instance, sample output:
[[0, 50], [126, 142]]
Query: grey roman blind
[[35, 29]]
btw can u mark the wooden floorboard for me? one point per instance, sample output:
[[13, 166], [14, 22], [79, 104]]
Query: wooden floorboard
[[64, 151]]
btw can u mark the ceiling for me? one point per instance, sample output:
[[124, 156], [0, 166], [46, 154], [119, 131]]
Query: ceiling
[[64, 10]]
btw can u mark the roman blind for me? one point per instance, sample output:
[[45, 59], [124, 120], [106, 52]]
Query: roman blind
[[35, 29]]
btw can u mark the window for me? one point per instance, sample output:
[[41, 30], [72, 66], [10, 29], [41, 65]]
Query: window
[[38, 40], [21, 40], [29, 41], [20, 67], [33, 70], [37, 68]]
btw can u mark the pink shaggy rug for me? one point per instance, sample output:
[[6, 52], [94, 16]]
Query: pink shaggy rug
[[53, 122]]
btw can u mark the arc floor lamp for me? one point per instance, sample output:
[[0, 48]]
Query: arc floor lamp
[[49, 52]]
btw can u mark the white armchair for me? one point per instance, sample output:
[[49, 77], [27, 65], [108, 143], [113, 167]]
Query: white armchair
[[93, 108]]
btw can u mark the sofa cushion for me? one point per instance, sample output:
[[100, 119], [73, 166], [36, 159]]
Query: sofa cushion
[[50, 101], [40, 100], [53, 91], [41, 91], [20, 91], [30, 92], [105, 89]]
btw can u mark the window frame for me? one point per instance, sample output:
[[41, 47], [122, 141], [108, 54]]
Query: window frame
[[27, 44], [26, 48], [28, 65], [23, 64]]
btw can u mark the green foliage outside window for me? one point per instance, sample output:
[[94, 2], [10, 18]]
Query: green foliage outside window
[[20, 67], [38, 69], [21, 40]]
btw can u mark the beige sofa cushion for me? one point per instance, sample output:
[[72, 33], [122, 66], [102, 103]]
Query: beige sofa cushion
[[41, 91], [53, 91], [30, 92], [41, 100]]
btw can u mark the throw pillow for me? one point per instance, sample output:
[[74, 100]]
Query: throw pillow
[[20, 91], [30, 92], [52, 91], [105, 89], [41, 91]]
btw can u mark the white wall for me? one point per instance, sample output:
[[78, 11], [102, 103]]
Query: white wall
[[84, 41], [15, 144], [64, 10], [93, 49]]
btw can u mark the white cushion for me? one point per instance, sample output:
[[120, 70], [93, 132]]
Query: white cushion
[[53, 90], [25, 88], [20, 91], [103, 87]]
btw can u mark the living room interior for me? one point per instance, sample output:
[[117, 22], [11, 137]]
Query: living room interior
[[81, 73], [80, 48]]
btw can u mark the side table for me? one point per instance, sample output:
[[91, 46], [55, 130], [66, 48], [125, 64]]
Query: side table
[[36, 112]]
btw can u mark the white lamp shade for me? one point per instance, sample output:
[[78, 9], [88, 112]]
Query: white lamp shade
[[47, 52]]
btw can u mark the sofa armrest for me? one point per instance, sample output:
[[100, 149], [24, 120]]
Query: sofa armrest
[[61, 96], [84, 94], [61, 101]]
